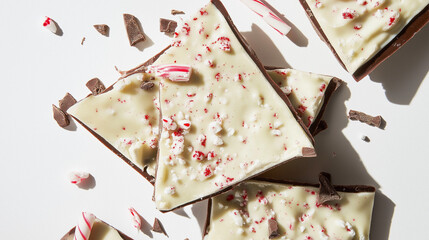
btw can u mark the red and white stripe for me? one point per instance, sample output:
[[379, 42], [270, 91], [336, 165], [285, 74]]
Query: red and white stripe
[[269, 16], [174, 72], [78, 177], [84, 227], [136, 218], [49, 24]]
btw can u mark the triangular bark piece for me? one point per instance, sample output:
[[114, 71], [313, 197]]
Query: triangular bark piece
[[327, 191], [242, 124]]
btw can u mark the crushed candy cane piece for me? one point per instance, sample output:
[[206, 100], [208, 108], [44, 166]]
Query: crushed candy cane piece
[[136, 218], [84, 226], [173, 72], [170, 190], [184, 124], [349, 13], [78, 177], [50, 24], [198, 155], [169, 124], [269, 16]]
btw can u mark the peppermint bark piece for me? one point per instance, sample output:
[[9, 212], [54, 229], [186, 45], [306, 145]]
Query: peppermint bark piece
[[308, 92], [364, 33], [240, 124], [245, 212], [125, 118], [100, 231]]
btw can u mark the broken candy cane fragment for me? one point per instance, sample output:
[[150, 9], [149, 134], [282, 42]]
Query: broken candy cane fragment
[[84, 226], [327, 191], [136, 218], [78, 177], [50, 24], [174, 72], [269, 16], [184, 124]]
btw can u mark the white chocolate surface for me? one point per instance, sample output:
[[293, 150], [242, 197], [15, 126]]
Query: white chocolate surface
[[305, 91], [359, 29], [243, 213], [126, 117], [102, 231], [232, 109]]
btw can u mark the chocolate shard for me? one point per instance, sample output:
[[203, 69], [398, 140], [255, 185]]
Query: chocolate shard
[[157, 227], [175, 12], [67, 101], [59, 116], [134, 30], [327, 191], [83, 40], [95, 86], [273, 229], [365, 118], [103, 29], [146, 85], [167, 26], [320, 127]]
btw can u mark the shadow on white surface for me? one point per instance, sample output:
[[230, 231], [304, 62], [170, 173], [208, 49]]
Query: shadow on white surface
[[145, 44], [199, 210], [89, 183], [265, 49], [295, 35], [381, 217], [402, 74], [181, 212], [72, 126], [146, 228]]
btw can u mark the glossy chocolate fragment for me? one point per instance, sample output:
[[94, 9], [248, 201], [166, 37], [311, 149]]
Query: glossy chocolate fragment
[[365, 118], [59, 116], [134, 30], [157, 227], [103, 29], [175, 12], [273, 229], [167, 26], [95, 86], [327, 191], [67, 101]]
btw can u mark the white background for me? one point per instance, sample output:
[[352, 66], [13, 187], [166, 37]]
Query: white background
[[38, 68]]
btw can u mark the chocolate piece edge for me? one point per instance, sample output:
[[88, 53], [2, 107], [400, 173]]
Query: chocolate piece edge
[[327, 191], [72, 230]]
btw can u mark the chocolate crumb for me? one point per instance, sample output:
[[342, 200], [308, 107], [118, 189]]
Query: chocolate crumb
[[103, 29], [365, 118], [326, 189], [134, 30], [167, 26], [157, 227], [146, 85], [273, 229], [95, 86], [175, 12], [59, 116], [67, 101], [83, 40], [365, 138]]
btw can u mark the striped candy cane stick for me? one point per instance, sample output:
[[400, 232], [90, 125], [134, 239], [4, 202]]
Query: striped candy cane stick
[[83, 228], [136, 218], [174, 72], [269, 16]]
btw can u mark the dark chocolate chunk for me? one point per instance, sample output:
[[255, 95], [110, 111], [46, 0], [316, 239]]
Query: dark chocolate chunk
[[167, 26], [273, 229], [67, 101], [103, 29], [95, 86], [362, 117], [327, 191], [134, 30], [146, 85], [174, 12], [157, 227], [320, 127], [59, 116]]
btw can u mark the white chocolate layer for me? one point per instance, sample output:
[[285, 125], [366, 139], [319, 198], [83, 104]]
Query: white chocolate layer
[[305, 91], [126, 117], [360, 29], [243, 213], [102, 231], [232, 109]]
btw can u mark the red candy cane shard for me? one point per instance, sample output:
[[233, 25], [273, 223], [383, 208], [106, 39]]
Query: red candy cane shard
[[136, 218], [78, 177], [84, 226], [269, 16], [49, 24], [174, 72]]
